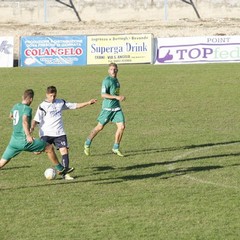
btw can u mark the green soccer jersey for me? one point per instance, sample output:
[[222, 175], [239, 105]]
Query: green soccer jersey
[[18, 111], [110, 86]]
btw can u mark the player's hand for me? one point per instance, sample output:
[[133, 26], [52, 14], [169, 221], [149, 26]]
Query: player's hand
[[37, 153], [30, 139], [121, 98], [92, 101]]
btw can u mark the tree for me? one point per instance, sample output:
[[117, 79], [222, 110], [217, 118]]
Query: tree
[[71, 5]]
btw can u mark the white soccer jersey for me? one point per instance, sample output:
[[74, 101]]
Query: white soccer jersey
[[49, 117]]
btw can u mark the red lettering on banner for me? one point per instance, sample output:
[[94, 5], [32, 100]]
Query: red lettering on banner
[[53, 52]]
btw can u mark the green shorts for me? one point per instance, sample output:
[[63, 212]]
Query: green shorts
[[17, 146], [111, 116]]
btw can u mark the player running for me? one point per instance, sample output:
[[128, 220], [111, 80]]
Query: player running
[[111, 110]]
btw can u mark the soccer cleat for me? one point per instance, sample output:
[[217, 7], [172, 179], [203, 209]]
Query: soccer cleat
[[61, 172], [67, 177], [68, 170], [116, 151], [87, 150]]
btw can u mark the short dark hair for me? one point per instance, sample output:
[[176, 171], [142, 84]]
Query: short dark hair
[[29, 93], [113, 64], [51, 89]]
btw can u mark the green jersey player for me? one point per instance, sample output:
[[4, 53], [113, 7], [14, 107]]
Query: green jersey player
[[111, 110], [21, 139]]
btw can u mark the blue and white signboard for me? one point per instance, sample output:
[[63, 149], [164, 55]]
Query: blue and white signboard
[[209, 49], [6, 51], [37, 51]]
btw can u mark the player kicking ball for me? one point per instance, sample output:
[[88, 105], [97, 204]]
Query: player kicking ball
[[21, 139], [49, 118]]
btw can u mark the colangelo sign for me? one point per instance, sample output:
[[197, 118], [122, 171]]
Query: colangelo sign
[[37, 51], [212, 49]]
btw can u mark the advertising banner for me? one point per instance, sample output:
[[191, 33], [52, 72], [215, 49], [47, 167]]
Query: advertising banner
[[39, 51], [129, 48], [211, 49], [6, 51]]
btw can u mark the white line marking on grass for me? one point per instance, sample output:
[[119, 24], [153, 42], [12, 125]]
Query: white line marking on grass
[[211, 183], [179, 157]]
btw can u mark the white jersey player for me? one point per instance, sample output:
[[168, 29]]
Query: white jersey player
[[51, 128]]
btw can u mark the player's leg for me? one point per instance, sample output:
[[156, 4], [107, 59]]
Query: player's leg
[[94, 133], [65, 156], [8, 154], [118, 138], [91, 136], [119, 132], [65, 162], [103, 118], [3, 162], [61, 144], [120, 123], [53, 158], [39, 145]]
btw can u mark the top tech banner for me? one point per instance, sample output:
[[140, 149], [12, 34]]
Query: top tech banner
[[37, 51], [129, 48], [212, 49]]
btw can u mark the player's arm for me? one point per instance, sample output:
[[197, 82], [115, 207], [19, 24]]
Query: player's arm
[[105, 92], [109, 96], [26, 128], [84, 104], [33, 125], [37, 118]]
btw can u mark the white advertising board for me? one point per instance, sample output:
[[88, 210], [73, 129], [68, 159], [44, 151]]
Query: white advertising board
[[124, 48], [209, 49], [6, 51]]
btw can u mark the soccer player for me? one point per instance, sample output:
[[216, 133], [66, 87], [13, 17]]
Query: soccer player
[[111, 110], [51, 129], [21, 139]]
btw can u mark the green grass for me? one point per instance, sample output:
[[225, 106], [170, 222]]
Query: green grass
[[179, 180]]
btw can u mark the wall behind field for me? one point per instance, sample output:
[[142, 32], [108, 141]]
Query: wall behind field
[[51, 11]]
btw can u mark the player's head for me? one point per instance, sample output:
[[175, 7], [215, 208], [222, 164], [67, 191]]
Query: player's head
[[113, 69], [51, 93], [28, 96]]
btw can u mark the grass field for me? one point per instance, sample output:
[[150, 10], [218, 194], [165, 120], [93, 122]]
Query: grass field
[[180, 177]]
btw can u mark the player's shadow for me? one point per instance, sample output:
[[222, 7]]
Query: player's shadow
[[106, 169], [41, 185], [170, 149], [171, 172], [103, 170], [6, 168], [136, 152], [147, 165], [162, 175]]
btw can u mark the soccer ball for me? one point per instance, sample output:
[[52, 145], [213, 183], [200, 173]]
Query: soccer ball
[[50, 173]]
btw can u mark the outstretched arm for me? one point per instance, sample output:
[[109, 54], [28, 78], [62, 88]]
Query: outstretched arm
[[84, 104]]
